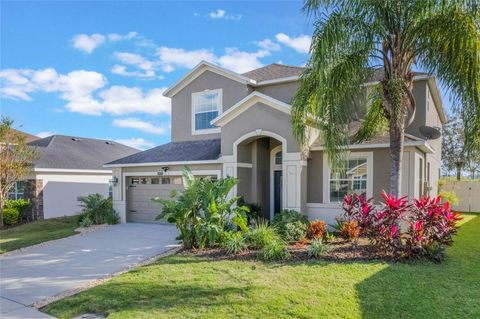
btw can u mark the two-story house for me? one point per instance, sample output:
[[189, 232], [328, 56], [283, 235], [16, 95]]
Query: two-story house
[[230, 124]]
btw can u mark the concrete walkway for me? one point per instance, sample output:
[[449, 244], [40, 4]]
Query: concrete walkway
[[30, 276]]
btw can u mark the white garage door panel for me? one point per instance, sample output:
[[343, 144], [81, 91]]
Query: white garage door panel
[[140, 207]]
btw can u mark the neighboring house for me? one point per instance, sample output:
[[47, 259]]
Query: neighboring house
[[68, 167], [229, 124], [28, 137]]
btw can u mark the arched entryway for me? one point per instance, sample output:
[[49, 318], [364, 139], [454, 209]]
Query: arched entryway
[[259, 168]]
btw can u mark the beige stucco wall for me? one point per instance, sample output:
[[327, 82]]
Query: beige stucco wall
[[283, 92], [232, 92], [259, 116], [420, 95], [427, 114]]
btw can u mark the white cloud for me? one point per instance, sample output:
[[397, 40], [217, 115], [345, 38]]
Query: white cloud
[[45, 134], [241, 61], [233, 59], [147, 67], [173, 57], [114, 37], [141, 125], [120, 100], [75, 87], [138, 143], [79, 88], [300, 44], [268, 45], [134, 59], [222, 14], [88, 43], [218, 14]]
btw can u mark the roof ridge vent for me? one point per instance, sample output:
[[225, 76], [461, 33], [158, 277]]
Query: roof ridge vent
[[76, 139], [109, 143]]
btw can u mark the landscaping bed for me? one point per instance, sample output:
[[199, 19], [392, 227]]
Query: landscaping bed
[[338, 250]]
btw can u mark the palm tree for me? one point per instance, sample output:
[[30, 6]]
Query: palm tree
[[354, 38]]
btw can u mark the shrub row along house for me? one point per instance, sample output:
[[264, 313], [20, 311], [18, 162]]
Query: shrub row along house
[[230, 124], [67, 167]]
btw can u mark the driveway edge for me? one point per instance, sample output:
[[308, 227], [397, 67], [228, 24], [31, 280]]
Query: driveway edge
[[44, 302], [49, 242]]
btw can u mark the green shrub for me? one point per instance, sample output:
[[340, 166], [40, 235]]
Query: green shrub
[[234, 242], [204, 210], [21, 205], [317, 248], [10, 216], [261, 235], [85, 221], [98, 209], [450, 197], [291, 225], [274, 251], [294, 231], [288, 216], [329, 237]]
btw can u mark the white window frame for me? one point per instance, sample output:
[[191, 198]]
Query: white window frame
[[16, 192], [210, 130], [352, 155]]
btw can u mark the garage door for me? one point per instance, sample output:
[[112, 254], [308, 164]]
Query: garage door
[[141, 190]]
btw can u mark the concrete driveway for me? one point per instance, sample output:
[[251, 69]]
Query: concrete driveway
[[35, 274]]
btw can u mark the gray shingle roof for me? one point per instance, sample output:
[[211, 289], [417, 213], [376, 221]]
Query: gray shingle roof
[[273, 71], [69, 152], [379, 139], [201, 150], [278, 71]]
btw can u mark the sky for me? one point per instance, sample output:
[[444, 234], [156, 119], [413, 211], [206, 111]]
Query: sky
[[98, 69]]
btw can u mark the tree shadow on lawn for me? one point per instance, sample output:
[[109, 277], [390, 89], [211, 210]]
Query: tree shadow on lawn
[[428, 290]]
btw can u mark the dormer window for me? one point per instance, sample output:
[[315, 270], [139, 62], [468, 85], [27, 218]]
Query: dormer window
[[206, 106]]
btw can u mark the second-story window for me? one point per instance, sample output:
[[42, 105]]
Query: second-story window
[[206, 106]]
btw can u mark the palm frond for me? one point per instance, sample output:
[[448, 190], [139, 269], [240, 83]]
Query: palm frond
[[374, 122], [330, 83], [449, 46]]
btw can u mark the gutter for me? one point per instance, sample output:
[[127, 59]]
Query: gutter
[[421, 144], [217, 161]]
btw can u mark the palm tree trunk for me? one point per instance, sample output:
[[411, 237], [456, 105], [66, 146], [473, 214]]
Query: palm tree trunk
[[396, 157]]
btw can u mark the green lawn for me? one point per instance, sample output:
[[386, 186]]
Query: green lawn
[[190, 287], [37, 232]]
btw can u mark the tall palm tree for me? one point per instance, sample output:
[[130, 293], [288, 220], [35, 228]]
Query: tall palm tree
[[354, 37]]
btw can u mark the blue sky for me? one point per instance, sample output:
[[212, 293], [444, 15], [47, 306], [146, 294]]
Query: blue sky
[[97, 69]]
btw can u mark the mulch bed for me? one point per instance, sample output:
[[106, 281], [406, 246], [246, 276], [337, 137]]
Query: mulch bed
[[339, 250]]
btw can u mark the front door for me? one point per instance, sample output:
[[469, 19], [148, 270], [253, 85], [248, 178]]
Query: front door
[[277, 191]]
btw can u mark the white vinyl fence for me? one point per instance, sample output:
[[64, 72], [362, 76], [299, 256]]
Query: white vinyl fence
[[468, 193]]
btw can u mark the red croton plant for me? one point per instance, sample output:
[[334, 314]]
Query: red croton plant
[[401, 229]]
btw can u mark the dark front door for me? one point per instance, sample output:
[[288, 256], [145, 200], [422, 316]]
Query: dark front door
[[277, 191]]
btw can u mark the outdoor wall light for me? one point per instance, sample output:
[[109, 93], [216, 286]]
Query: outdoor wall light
[[114, 180]]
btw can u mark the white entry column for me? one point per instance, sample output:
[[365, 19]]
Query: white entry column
[[294, 181], [230, 170]]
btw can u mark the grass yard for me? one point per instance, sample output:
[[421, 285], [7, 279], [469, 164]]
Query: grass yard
[[190, 287], [37, 232]]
